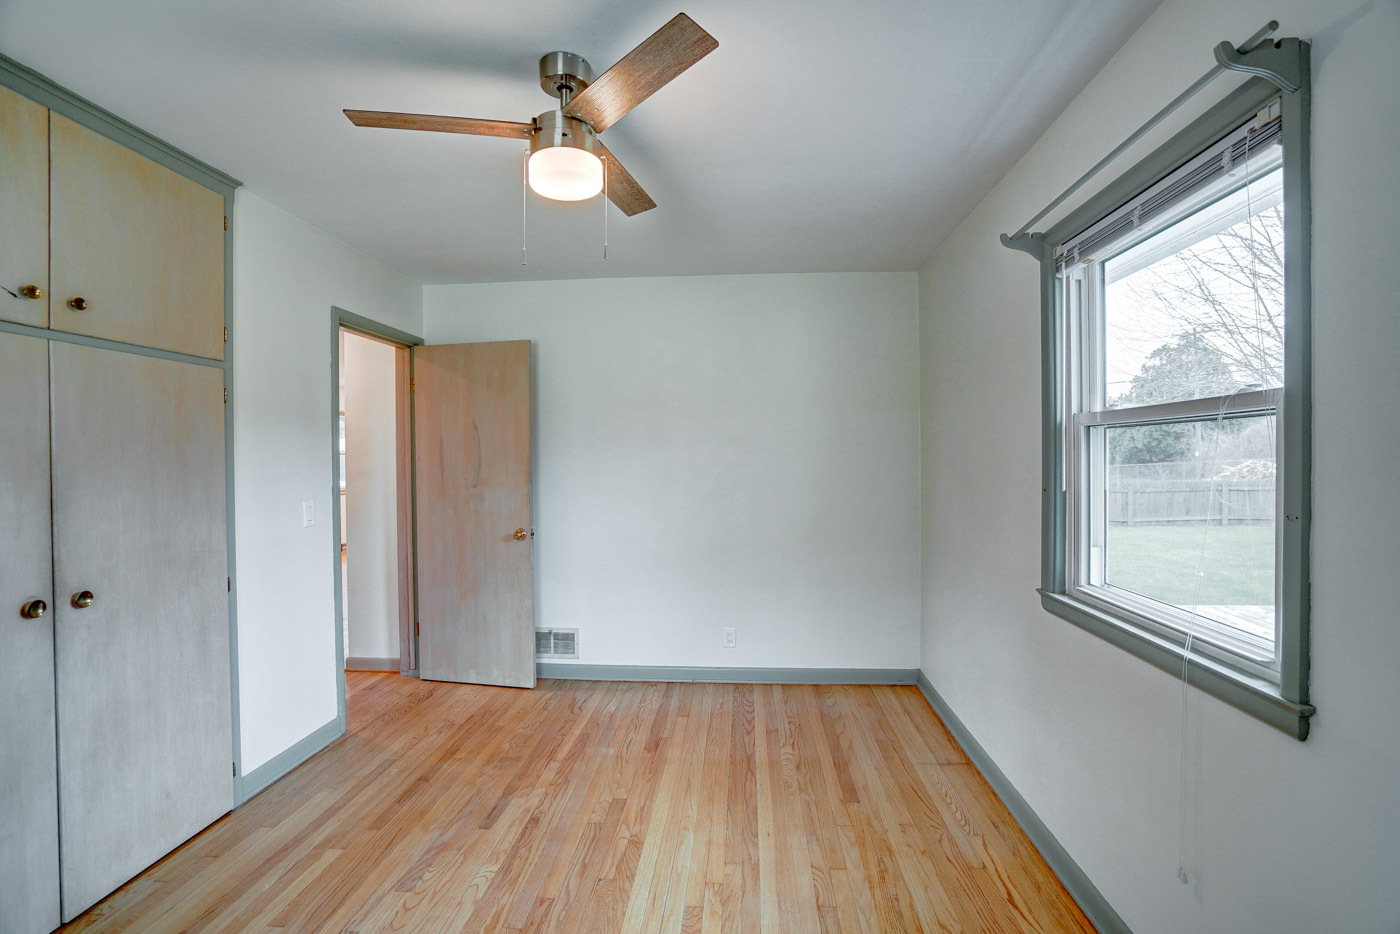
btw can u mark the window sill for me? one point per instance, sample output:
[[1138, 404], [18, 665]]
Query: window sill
[[1254, 696]]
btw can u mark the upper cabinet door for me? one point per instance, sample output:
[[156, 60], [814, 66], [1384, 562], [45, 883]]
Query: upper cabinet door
[[24, 209], [138, 250]]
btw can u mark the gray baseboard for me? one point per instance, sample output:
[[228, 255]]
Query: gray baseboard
[[245, 786], [726, 675], [1083, 891], [362, 663]]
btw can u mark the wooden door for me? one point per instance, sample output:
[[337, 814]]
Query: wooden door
[[28, 769], [141, 245], [476, 607], [144, 728], [24, 209]]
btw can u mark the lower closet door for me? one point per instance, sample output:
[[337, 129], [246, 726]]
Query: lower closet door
[[28, 772], [144, 729]]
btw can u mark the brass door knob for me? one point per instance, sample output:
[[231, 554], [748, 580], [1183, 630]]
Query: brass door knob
[[82, 598], [33, 609], [520, 535], [78, 304], [31, 291]]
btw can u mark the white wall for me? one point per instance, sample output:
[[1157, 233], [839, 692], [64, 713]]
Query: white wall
[[371, 500], [286, 276], [1283, 836], [719, 451]]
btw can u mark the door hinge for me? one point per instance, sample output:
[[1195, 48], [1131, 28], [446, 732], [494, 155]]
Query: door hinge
[[230, 585], [225, 335], [417, 628], [225, 222], [412, 384], [225, 396], [235, 770]]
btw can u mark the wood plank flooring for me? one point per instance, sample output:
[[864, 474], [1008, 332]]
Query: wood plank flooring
[[606, 806]]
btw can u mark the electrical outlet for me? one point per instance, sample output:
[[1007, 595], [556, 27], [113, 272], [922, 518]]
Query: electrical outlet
[[730, 640]]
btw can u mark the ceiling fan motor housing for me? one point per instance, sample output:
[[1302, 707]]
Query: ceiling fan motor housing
[[559, 129], [564, 73]]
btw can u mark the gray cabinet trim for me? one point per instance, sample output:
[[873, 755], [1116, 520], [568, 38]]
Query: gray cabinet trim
[[40, 89]]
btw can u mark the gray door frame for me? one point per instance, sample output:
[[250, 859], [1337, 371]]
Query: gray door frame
[[368, 327]]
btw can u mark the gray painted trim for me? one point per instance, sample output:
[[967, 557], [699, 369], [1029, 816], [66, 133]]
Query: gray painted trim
[[65, 337], [1285, 706], [1296, 412], [365, 663], [685, 673], [239, 793], [373, 328], [42, 90], [291, 757], [1080, 887], [339, 582], [342, 318], [1254, 696]]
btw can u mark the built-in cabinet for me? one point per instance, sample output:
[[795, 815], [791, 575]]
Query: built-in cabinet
[[115, 713]]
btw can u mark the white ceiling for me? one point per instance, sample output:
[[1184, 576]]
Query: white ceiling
[[819, 136]]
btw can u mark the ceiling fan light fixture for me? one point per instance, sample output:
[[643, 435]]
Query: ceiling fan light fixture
[[566, 174], [564, 162]]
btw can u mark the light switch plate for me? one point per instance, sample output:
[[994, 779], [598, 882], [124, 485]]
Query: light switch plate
[[308, 513]]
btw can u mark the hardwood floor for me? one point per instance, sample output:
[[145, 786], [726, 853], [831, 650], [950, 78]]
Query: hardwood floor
[[606, 806]]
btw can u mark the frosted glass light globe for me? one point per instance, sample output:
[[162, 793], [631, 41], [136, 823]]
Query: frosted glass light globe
[[566, 174]]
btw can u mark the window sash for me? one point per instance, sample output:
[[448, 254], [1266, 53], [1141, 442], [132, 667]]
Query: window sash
[[1085, 576], [1245, 402], [1084, 472]]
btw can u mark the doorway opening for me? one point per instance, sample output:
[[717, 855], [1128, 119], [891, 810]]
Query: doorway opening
[[374, 492]]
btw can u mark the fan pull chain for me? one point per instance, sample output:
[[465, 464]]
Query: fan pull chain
[[524, 187], [605, 208]]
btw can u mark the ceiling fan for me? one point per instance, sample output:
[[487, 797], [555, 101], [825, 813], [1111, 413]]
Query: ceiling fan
[[565, 153]]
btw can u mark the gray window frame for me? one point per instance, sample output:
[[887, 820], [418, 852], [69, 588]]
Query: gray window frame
[[1285, 705]]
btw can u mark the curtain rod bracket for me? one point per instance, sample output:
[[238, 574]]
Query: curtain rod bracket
[[1280, 63], [1032, 243]]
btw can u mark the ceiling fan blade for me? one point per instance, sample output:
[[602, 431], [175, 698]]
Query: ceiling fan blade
[[468, 125], [642, 72], [623, 189]]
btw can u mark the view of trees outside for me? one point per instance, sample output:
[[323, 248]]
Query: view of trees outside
[[1191, 504], [1213, 315]]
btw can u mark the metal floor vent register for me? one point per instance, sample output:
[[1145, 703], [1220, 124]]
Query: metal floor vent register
[[556, 643]]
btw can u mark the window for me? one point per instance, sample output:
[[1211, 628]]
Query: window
[[1177, 408]]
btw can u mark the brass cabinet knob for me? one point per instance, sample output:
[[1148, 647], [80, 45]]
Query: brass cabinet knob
[[33, 609], [82, 599], [31, 291], [78, 304], [520, 535]]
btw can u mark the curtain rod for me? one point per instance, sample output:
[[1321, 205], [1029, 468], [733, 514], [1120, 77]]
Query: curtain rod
[[1281, 69]]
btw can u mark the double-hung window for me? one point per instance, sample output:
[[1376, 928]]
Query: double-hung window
[[1177, 329]]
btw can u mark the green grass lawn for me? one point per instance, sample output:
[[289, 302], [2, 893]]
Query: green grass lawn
[[1163, 562]]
